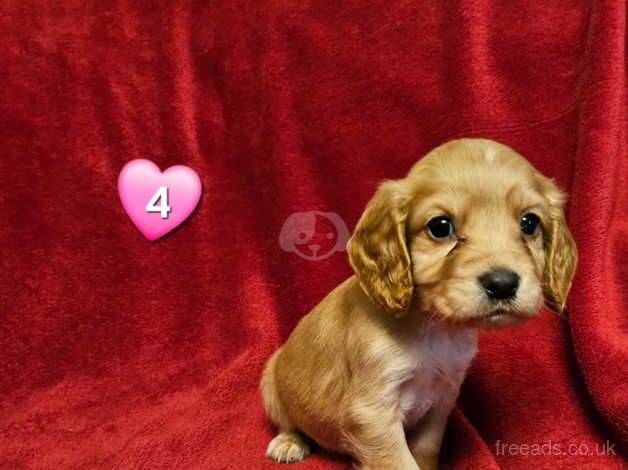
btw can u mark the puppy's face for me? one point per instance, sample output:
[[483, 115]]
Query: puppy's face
[[474, 234]]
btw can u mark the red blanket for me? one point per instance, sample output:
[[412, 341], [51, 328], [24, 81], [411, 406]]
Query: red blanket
[[120, 353]]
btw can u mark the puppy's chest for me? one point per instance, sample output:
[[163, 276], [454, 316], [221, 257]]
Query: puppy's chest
[[440, 360]]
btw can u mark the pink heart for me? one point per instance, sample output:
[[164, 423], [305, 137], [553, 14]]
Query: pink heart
[[156, 211]]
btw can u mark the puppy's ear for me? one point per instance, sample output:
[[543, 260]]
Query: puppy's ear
[[561, 256], [378, 252]]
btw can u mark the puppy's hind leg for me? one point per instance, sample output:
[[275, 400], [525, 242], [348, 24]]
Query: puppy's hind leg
[[288, 445]]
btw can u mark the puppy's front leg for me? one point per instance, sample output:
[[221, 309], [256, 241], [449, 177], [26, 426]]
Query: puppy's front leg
[[379, 443], [425, 439]]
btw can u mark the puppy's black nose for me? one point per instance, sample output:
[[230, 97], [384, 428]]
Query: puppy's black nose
[[499, 283]]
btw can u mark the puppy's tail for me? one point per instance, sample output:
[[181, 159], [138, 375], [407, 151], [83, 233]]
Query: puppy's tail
[[270, 397]]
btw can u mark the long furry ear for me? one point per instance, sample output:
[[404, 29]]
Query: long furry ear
[[378, 252], [561, 255]]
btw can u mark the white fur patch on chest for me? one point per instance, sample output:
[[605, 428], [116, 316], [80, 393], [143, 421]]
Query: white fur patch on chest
[[441, 357]]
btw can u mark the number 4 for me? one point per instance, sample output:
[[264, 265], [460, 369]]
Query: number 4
[[163, 208]]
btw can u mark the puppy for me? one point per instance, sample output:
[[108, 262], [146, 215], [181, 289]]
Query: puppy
[[473, 237]]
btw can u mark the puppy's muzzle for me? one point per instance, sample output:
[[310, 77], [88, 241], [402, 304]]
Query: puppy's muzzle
[[500, 283]]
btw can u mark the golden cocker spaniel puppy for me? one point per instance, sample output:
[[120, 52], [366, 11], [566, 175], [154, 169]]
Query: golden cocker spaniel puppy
[[473, 237]]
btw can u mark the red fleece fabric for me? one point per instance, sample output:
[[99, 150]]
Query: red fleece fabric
[[120, 353]]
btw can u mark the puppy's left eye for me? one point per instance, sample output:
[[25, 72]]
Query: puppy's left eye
[[530, 223], [440, 227]]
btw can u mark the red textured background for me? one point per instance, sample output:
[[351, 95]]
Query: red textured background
[[119, 353]]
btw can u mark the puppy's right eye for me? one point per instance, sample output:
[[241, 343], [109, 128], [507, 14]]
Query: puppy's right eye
[[530, 223], [440, 227]]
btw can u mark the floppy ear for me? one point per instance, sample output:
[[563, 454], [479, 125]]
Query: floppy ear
[[378, 252], [561, 255]]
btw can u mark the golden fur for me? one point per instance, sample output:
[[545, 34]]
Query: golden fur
[[374, 369]]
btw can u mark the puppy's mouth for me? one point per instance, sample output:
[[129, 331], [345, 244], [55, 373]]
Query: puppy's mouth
[[499, 312], [500, 317]]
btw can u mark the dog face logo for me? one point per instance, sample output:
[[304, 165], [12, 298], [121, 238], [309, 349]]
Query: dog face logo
[[314, 235]]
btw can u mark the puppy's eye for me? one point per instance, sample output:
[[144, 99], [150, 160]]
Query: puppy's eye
[[530, 223], [440, 227]]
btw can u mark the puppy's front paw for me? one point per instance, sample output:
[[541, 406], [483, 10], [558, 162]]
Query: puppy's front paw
[[287, 447]]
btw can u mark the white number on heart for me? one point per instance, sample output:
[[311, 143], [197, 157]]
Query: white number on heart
[[163, 208]]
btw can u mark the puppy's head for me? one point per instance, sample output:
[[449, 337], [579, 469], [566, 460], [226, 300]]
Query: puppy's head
[[474, 234]]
